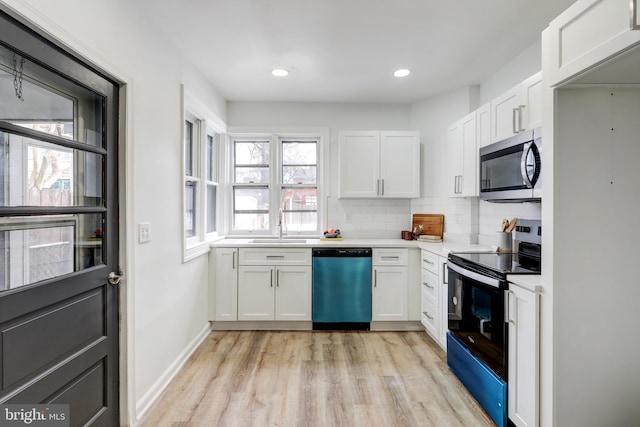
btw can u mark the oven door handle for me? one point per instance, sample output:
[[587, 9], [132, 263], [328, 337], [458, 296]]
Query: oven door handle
[[474, 276]]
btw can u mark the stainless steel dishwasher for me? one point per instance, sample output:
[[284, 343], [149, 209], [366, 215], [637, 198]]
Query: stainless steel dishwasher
[[341, 288]]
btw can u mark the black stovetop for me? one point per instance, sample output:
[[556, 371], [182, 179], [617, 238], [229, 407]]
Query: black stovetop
[[500, 262]]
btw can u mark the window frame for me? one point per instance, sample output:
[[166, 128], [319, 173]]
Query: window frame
[[205, 123], [275, 184]]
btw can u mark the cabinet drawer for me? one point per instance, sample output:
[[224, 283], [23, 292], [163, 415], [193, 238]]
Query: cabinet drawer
[[429, 286], [392, 256], [429, 318], [276, 256], [430, 261]]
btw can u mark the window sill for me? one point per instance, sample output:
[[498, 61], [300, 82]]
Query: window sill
[[196, 251]]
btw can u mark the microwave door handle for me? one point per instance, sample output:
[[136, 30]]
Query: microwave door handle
[[523, 165]]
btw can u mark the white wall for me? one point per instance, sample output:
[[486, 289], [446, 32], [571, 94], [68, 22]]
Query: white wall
[[168, 299], [369, 218]]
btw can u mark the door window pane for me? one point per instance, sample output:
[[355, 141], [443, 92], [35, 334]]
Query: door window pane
[[38, 248], [34, 173], [45, 102]]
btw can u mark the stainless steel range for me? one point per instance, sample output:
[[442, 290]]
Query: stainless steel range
[[477, 338]]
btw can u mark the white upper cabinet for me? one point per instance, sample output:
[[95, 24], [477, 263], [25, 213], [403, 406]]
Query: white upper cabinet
[[379, 164], [462, 154], [483, 125], [517, 110], [589, 33]]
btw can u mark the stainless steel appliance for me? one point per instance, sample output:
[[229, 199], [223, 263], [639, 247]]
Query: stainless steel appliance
[[510, 170], [477, 338], [341, 288]]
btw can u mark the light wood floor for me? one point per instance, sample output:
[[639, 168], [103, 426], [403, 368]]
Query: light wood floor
[[350, 379]]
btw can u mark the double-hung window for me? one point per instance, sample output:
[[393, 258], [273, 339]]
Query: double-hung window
[[201, 180], [275, 184]]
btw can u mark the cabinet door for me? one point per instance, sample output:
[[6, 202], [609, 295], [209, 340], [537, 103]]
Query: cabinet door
[[359, 164], [523, 319], [443, 304], [462, 154], [483, 125], [256, 290], [468, 182], [400, 164], [532, 101], [587, 34], [454, 158], [226, 284], [505, 114], [293, 293], [389, 296]]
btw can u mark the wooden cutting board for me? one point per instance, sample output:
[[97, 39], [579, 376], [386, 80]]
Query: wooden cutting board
[[432, 224]]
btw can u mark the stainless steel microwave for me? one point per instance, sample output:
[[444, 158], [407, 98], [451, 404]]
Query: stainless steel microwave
[[510, 170]]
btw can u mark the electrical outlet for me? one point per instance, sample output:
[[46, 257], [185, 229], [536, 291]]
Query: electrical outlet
[[144, 232]]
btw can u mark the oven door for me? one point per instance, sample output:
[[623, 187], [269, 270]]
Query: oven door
[[510, 169], [476, 316]]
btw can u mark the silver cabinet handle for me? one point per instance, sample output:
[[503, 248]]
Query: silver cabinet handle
[[514, 115], [277, 278], [507, 307], [271, 275], [427, 261], [390, 257], [382, 192], [428, 285], [427, 314], [520, 127], [378, 188], [275, 256], [233, 260], [375, 278], [445, 275], [460, 184]]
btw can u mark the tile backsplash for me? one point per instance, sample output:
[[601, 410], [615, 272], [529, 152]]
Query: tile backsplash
[[491, 215], [369, 218]]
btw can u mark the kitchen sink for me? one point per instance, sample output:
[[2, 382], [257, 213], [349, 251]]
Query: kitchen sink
[[278, 241]]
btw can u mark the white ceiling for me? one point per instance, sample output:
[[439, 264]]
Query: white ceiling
[[347, 50]]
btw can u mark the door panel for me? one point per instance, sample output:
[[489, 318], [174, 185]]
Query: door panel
[[58, 230]]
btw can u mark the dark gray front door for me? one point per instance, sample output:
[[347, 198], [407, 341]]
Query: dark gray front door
[[58, 230]]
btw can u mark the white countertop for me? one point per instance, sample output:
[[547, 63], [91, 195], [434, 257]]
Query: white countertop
[[531, 282], [441, 249]]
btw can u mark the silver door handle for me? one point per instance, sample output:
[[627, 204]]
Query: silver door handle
[[271, 277], [277, 278], [375, 278], [514, 114], [233, 260], [378, 188], [382, 192], [427, 285], [114, 278]]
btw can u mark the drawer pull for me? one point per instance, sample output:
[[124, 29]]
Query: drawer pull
[[428, 285], [428, 262], [275, 256], [427, 314], [390, 257]]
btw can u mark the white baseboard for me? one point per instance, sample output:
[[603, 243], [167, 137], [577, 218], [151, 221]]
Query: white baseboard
[[143, 405]]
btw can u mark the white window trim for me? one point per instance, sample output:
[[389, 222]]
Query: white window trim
[[275, 135], [199, 244]]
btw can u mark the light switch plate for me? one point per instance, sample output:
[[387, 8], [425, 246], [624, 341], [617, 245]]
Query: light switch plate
[[144, 232]]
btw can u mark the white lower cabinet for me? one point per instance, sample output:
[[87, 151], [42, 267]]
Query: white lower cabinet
[[225, 293], [274, 291], [435, 316], [443, 284], [523, 318], [390, 284]]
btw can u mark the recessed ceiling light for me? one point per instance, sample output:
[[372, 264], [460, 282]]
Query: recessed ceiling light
[[280, 72], [403, 72]]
